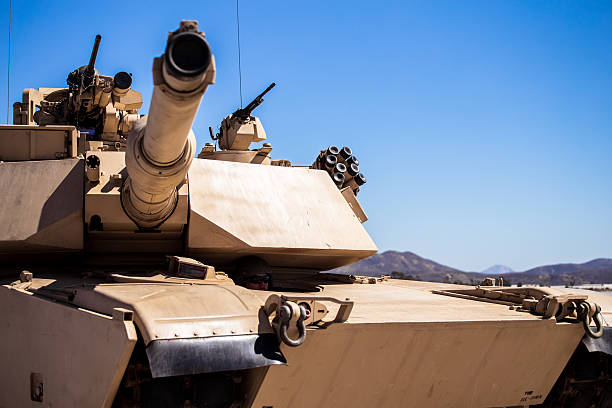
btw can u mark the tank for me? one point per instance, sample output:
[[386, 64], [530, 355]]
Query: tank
[[135, 274]]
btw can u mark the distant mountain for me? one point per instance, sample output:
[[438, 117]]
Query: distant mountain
[[408, 265], [595, 271], [497, 270], [600, 264]]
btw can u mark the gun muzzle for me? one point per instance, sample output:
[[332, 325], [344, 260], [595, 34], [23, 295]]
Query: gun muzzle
[[161, 145], [180, 78]]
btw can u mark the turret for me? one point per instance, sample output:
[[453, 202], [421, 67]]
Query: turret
[[133, 185], [161, 145]]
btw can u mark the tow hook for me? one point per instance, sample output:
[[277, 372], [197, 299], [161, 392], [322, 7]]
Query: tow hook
[[288, 321], [573, 307], [290, 315], [288, 311], [586, 312]]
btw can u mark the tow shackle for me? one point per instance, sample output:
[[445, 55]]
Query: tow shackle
[[287, 311], [586, 313], [289, 318]]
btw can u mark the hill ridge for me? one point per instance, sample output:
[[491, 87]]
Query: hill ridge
[[408, 265]]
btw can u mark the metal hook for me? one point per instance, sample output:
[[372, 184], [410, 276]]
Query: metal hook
[[586, 320], [285, 316]]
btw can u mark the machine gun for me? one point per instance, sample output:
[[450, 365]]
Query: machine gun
[[244, 113], [82, 78], [84, 83], [240, 129], [103, 107]]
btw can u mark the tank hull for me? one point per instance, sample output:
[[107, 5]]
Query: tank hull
[[403, 345], [59, 355]]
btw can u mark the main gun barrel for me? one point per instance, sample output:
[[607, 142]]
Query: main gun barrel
[[161, 145]]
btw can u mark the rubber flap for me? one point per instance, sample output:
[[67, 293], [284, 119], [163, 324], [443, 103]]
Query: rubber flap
[[603, 344]]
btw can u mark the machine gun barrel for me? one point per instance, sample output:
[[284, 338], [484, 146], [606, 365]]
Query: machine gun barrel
[[161, 146], [245, 112], [89, 72]]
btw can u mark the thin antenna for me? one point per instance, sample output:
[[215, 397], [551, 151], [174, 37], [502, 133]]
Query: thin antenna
[[8, 68], [239, 66]]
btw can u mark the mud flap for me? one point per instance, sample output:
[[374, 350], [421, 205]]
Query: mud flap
[[603, 344], [211, 354]]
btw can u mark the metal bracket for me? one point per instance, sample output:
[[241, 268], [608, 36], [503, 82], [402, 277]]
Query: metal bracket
[[346, 306], [291, 315]]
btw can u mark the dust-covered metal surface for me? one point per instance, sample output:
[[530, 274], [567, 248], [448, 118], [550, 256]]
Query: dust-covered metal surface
[[273, 212], [171, 310], [59, 355]]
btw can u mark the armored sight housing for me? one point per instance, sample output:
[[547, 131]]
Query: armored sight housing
[[137, 275]]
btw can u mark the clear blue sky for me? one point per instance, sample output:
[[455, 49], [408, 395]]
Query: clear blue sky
[[484, 128]]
